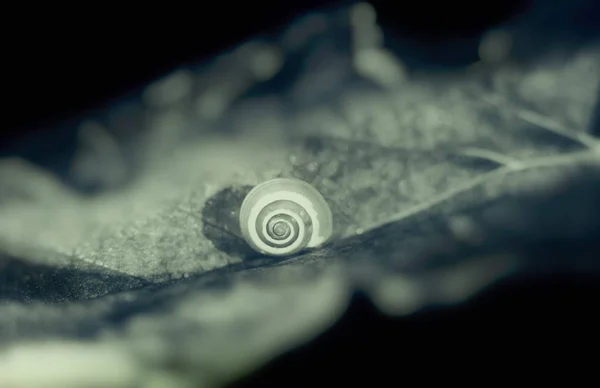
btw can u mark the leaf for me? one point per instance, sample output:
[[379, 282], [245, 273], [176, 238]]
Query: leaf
[[412, 173], [434, 140]]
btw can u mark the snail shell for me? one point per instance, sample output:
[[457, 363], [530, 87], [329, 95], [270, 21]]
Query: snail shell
[[283, 216]]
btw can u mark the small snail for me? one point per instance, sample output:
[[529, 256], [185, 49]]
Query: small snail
[[281, 217]]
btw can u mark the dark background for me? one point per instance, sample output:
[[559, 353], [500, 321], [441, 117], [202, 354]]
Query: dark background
[[58, 63], [62, 62]]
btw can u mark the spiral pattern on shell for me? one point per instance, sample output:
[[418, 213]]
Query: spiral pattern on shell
[[283, 216]]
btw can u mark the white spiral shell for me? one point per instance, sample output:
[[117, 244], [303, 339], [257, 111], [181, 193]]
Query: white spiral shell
[[283, 216]]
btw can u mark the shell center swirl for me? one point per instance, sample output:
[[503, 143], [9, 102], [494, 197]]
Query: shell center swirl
[[283, 224], [279, 228]]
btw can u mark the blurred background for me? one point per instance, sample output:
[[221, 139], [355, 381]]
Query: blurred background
[[59, 63]]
